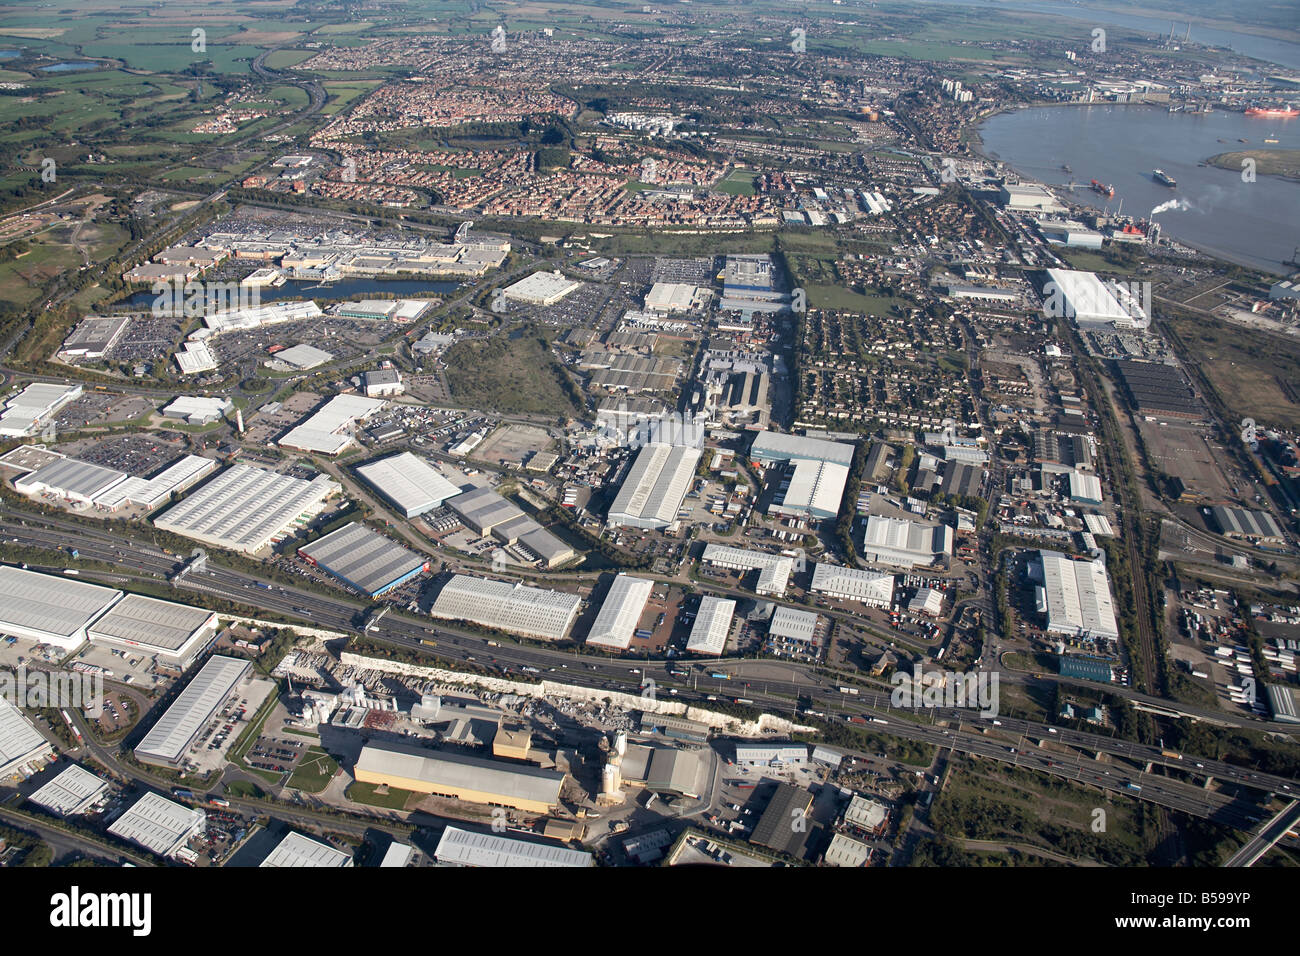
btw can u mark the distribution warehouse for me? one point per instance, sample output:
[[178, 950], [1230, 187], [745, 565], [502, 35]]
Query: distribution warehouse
[[486, 512], [712, 626], [455, 775], [158, 824], [901, 543], [465, 848], [49, 608], [329, 430], [1075, 596], [413, 485], [655, 486], [774, 570], [364, 559], [515, 608], [872, 588], [246, 508], [21, 744], [175, 633], [769, 447], [169, 739], [621, 612], [71, 792], [296, 850]]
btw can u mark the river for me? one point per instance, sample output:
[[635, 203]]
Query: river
[[1251, 223]]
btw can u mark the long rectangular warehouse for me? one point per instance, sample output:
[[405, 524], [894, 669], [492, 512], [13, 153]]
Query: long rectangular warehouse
[[470, 779], [246, 508], [514, 608], [171, 736], [49, 608], [1087, 300], [619, 615], [364, 559], [1075, 596], [71, 480], [159, 824], [772, 446], [329, 430], [712, 626], [902, 543], [872, 588], [413, 485], [466, 848], [655, 486], [174, 632]]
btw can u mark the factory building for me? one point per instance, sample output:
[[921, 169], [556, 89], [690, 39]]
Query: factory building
[[670, 297], [774, 828], [413, 485], [174, 633], [1257, 526], [1074, 596], [770, 447], [674, 727], [71, 480], [50, 608], [467, 848], [159, 825], [1029, 198], [34, 407], [486, 512], [329, 430], [454, 775], [771, 755], [364, 559], [196, 409], [21, 744], [675, 772], [150, 493], [296, 850], [620, 613], [168, 740], [712, 626], [790, 624], [872, 588], [901, 543], [247, 509], [655, 487], [504, 606], [1085, 299], [70, 793]]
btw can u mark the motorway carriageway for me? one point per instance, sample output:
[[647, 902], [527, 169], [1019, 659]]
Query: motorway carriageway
[[586, 670]]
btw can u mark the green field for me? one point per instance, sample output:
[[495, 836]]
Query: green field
[[509, 374], [393, 800], [739, 182], [314, 771]]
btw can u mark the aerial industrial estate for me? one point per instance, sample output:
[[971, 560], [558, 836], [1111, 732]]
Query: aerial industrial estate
[[622, 435]]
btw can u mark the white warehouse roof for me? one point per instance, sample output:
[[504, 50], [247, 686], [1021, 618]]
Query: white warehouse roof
[[50, 608], [541, 288], [515, 608], [1075, 596], [793, 624], [618, 616], [19, 740], [303, 356], [244, 508], [298, 850], [1083, 297], [712, 625], [655, 486], [69, 793], [776, 446], [853, 584], [816, 488], [904, 543], [410, 483], [158, 824], [465, 848], [329, 430]]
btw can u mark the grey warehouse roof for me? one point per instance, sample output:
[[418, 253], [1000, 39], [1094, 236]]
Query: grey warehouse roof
[[70, 792], [150, 622], [49, 603], [298, 850], [487, 849], [363, 557], [192, 709]]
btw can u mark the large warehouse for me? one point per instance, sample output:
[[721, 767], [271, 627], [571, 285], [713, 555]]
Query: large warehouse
[[541, 288], [413, 485], [35, 406], [175, 633], [486, 512], [466, 848], [811, 489], [769, 447], [169, 739], [1257, 526], [470, 779], [774, 570], [158, 824], [514, 608], [246, 508], [296, 850], [712, 626], [620, 613], [50, 608], [1074, 596], [70, 480], [871, 588], [1087, 300], [655, 486], [364, 559], [73, 791], [21, 744], [329, 430], [901, 543]]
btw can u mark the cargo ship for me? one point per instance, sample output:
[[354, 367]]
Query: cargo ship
[[1163, 177], [1103, 189], [1273, 112]]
